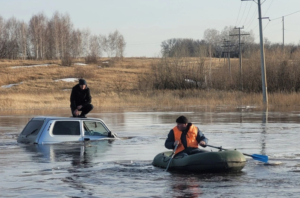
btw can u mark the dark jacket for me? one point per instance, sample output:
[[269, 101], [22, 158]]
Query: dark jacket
[[80, 97], [169, 144]]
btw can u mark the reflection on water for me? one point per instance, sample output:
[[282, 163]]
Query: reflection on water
[[264, 131], [79, 154], [189, 187], [122, 167]]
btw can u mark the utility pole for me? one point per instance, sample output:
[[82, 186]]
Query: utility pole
[[210, 83], [283, 32], [262, 57], [240, 53], [228, 45]]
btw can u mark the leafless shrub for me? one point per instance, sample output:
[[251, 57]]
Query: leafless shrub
[[145, 81], [91, 59], [66, 60], [119, 84], [84, 72], [283, 75], [178, 73]]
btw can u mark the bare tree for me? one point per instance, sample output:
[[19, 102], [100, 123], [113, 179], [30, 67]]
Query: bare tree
[[104, 44], [56, 38], [212, 37], [64, 34], [183, 47], [120, 45], [37, 30], [53, 37], [112, 38], [76, 43], [2, 39], [85, 41], [11, 37], [114, 44], [168, 46], [94, 49], [23, 39]]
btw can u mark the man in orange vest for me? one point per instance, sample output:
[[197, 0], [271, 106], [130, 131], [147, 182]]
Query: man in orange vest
[[187, 136]]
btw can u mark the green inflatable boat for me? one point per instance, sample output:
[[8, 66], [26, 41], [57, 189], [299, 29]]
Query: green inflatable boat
[[206, 161]]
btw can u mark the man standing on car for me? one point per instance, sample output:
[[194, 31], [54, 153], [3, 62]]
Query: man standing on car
[[81, 99]]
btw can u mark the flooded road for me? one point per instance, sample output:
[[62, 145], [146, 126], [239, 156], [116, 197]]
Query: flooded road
[[122, 168]]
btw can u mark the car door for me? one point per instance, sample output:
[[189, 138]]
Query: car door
[[94, 130], [61, 131]]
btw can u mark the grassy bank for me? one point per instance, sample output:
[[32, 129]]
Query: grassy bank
[[114, 84], [152, 100]]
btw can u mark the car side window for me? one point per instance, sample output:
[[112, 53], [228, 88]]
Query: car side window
[[94, 128], [66, 128]]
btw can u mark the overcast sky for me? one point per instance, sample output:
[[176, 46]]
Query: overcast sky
[[146, 23]]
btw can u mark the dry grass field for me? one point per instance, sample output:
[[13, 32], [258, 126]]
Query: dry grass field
[[113, 83]]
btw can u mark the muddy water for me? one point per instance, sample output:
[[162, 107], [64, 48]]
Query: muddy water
[[122, 168]]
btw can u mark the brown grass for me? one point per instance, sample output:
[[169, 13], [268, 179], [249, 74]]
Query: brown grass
[[114, 84]]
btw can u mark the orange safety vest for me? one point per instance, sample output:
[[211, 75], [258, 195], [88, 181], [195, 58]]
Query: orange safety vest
[[190, 138]]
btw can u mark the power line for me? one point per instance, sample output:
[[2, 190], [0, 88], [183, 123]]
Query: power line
[[269, 7], [292, 13], [266, 25], [285, 15], [238, 14], [292, 30], [252, 18], [270, 22], [275, 23], [243, 12], [248, 13]]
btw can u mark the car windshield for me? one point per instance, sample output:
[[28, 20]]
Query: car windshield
[[33, 127], [94, 128]]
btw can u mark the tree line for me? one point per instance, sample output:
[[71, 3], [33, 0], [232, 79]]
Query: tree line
[[283, 64], [219, 44], [54, 38]]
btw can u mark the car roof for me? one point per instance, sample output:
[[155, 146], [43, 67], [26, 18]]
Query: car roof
[[63, 118]]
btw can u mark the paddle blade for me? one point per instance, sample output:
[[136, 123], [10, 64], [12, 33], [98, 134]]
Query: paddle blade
[[262, 158]]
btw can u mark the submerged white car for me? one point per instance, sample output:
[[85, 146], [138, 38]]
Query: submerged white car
[[50, 130]]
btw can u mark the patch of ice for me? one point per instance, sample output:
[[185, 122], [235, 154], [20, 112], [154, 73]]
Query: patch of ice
[[80, 64], [67, 80], [272, 163], [10, 85], [42, 65], [190, 81], [246, 107], [67, 89], [105, 62]]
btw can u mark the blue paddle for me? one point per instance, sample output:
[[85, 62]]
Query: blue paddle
[[262, 158]]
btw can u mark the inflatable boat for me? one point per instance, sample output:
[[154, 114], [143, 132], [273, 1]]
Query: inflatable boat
[[220, 161]]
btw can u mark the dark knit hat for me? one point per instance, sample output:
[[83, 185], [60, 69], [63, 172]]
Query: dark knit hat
[[182, 120], [82, 82]]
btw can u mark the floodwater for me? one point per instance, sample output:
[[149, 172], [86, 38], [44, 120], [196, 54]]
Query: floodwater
[[122, 168]]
